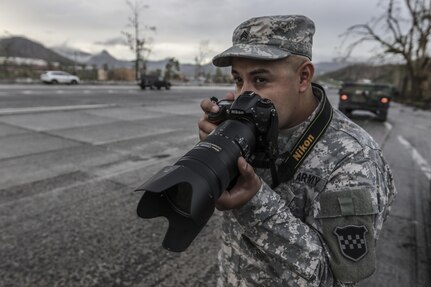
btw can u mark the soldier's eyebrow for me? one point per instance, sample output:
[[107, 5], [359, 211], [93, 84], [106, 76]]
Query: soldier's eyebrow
[[258, 71]]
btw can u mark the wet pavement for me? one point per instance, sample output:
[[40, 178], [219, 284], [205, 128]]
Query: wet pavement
[[70, 160]]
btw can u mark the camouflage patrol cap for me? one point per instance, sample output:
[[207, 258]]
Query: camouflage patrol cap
[[270, 38]]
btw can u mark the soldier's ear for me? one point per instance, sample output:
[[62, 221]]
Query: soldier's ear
[[306, 73]]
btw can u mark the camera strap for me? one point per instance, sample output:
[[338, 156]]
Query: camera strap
[[303, 146]]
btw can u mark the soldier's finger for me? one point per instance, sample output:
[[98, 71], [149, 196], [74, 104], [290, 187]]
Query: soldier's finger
[[230, 96], [209, 106]]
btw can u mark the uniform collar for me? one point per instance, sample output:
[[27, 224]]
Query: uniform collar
[[287, 137]]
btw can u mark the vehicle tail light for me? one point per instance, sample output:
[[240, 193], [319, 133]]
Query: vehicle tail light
[[384, 100], [344, 97]]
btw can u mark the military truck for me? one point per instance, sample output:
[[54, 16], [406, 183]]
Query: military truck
[[153, 82], [371, 97]]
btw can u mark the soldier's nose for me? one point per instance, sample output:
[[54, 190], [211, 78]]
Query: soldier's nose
[[247, 87]]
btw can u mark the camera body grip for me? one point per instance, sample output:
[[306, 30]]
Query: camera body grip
[[221, 115]]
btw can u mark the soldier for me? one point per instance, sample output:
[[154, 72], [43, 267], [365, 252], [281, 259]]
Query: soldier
[[319, 227]]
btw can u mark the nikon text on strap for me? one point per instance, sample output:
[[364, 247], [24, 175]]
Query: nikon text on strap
[[293, 159]]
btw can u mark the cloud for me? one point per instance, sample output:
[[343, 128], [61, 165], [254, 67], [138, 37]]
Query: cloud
[[181, 24], [112, 42]]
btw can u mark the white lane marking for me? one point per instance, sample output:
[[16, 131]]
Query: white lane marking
[[82, 184], [388, 126], [417, 157], [13, 111]]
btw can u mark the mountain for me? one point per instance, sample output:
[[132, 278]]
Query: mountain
[[156, 65], [389, 73], [72, 54], [105, 59], [99, 60], [326, 67], [24, 48]]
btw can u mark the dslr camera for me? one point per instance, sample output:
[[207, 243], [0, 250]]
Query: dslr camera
[[185, 193]]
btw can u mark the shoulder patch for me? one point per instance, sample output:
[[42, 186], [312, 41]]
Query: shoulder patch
[[352, 241]]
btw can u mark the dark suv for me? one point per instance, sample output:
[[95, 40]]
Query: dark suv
[[154, 82], [365, 96]]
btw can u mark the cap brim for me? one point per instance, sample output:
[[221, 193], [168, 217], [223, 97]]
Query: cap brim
[[259, 52]]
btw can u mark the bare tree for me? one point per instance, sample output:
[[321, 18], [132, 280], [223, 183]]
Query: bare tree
[[201, 58], [406, 36], [138, 43]]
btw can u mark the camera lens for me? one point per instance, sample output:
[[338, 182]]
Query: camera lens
[[180, 197], [185, 193]]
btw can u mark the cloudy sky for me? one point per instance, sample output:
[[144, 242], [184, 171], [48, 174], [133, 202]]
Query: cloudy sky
[[181, 24]]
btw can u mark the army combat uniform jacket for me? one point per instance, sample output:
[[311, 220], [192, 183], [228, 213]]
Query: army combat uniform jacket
[[318, 229]]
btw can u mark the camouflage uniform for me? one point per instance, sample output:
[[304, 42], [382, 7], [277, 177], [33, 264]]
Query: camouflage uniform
[[285, 237], [319, 228]]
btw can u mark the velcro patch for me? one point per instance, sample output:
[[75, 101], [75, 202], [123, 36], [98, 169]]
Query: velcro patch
[[352, 241]]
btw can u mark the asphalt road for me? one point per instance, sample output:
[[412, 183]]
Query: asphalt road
[[71, 157]]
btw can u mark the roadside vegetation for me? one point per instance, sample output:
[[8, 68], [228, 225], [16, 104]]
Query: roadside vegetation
[[400, 38]]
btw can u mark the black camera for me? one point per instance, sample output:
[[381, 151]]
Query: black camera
[[185, 193]]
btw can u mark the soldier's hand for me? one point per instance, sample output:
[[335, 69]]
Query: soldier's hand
[[247, 185], [207, 106]]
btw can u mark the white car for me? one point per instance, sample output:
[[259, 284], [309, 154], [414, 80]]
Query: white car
[[59, 77]]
